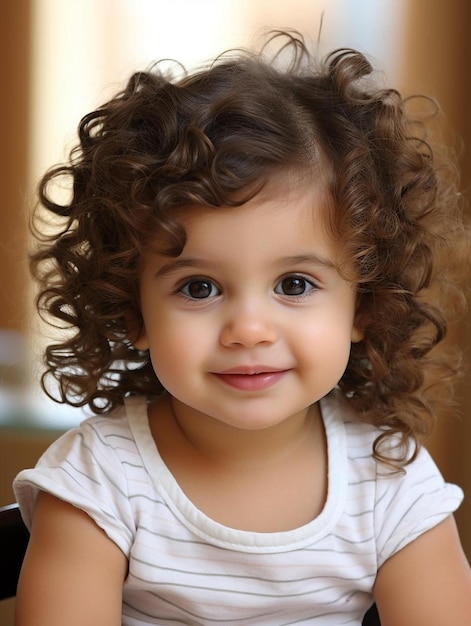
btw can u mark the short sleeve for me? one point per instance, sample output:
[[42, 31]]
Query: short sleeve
[[410, 503], [82, 468]]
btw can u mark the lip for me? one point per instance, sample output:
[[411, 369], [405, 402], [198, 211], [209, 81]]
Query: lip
[[250, 370], [251, 378]]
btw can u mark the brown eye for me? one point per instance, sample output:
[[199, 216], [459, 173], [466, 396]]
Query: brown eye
[[294, 286], [199, 289]]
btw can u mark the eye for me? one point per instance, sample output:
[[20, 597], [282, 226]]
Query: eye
[[199, 289], [294, 286]]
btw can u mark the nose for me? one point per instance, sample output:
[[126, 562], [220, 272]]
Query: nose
[[248, 326]]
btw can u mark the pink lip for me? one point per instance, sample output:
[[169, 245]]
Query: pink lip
[[251, 378]]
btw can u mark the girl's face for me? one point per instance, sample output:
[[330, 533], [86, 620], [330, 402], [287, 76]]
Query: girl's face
[[252, 323]]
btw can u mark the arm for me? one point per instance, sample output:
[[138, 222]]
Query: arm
[[427, 583], [72, 574]]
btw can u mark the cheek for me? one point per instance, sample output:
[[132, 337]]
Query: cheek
[[175, 348], [327, 340], [332, 319]]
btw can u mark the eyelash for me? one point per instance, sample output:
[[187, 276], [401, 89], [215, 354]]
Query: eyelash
[[308, 285]]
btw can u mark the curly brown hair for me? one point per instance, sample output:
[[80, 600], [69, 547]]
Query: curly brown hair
[[214, 138]]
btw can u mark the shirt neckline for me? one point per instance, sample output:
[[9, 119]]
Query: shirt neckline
[[210, 531]]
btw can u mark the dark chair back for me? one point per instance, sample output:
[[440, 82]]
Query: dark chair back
[[371, 618], [14, 538]]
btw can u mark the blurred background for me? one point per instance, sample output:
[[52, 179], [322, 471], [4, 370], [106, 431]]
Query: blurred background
[[61, 58]]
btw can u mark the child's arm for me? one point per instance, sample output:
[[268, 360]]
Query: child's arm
[[427, 583], [72, 574]]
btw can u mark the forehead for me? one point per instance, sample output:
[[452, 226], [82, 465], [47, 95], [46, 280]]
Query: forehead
[[289, 214]]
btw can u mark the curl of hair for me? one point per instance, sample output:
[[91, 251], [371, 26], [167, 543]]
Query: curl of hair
[[215, 137]]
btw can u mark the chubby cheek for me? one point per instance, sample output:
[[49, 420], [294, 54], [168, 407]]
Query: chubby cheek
[[175, 353], [326, 346]]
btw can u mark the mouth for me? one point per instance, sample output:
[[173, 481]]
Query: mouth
[[251, 370], [253, 378]]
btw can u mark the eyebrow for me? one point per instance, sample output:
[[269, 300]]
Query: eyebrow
[[310, 259], [178, 264], [190, 263]]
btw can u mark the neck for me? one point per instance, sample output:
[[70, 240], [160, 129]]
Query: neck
[[226, 446]]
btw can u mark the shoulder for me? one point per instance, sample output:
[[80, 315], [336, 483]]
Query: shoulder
[[94, 467], [411, 502], [402, 504], [99, 440]]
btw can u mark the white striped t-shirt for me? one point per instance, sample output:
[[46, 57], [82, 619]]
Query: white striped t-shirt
[[185, 568]]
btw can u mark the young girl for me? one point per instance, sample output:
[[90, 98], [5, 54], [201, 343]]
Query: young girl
[[253, 270]]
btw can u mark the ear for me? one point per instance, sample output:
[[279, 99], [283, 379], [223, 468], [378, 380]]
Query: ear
[[357, 334], [137, 332], [359, 323], [141, 342]]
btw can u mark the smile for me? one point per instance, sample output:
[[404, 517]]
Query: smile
[[251, 381]]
